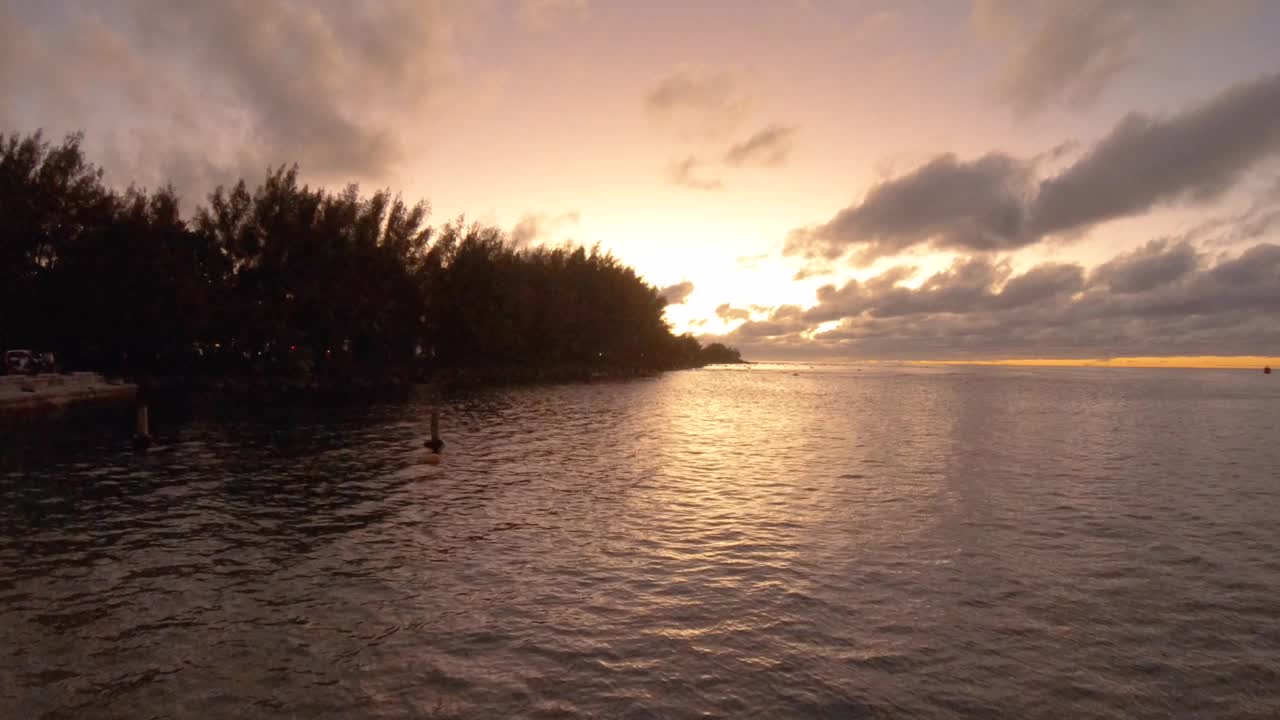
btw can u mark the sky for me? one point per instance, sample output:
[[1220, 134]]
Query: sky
[[949, 179]]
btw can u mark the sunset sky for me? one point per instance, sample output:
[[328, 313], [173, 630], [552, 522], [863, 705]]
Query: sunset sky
[[880, 180]]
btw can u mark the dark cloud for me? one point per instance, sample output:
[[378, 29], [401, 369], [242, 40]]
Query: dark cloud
[[1249, 225], [995, 202], [1157, 263], [769, 147], [966, 286], [855, 297], [1255, 222], [221, 89], [678, 293], [1051, 281], [688, 172], [1257, 268], [699, 104], [1196, 155], [534, 228], [1057, 152], [767, 328], [1068, 51], [1239, 286], [1161, 299], [784, 321], [978, 205]]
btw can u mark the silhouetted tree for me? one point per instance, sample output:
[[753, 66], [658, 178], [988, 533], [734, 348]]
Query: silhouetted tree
[[51, 198], [293, 280], [719, 353]]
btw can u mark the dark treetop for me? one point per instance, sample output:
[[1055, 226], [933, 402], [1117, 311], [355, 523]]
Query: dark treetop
[[292, 281]]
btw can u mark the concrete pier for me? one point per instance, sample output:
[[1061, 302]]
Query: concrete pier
[[31, 397]]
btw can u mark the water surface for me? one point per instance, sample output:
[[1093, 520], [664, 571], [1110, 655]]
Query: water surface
[[783, 541]]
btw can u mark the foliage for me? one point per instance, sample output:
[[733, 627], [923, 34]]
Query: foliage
[[718, 353], [292, 280]]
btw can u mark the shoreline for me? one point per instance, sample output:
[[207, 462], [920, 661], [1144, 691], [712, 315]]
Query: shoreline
[[34, 401], [400, 379], [28, 399], [33, 398]]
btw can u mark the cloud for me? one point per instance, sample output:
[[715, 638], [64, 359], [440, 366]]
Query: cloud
[[978, 205], [212, 91], [678, 293], [768, 328], [1157, 263], [1161, 299], [686, 173], [769, 147], [729, 313], [812, 269], [1253, 223], [1068, 51], [966, 286], [1196, 155], [705, 109], [699, 104], [996, 202], [534, 228], [784, 321], [1047, 282]]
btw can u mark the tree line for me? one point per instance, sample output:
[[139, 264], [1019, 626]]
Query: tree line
[[286, 279]]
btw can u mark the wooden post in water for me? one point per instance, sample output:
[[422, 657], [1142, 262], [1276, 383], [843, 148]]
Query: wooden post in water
[[142, 436], [435, 444]]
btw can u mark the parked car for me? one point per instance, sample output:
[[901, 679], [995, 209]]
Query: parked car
[[18, 361], [46, 363], [26, 362]]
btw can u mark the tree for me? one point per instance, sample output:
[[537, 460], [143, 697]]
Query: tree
[[292, 280]]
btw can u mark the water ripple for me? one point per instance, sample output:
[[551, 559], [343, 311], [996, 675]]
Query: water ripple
[[842, 542]]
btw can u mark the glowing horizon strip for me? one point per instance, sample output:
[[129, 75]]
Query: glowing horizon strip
[[1234, 362]]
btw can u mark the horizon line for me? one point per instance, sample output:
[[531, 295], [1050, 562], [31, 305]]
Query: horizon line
[[1205, 362], [1202, 362]]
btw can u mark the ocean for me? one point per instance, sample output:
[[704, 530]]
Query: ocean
[[768, 541]]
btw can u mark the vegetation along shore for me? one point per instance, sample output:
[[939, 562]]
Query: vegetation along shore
[[294, 286]]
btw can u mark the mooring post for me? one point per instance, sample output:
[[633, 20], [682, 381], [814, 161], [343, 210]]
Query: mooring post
[[435, 444], [142, 435]]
